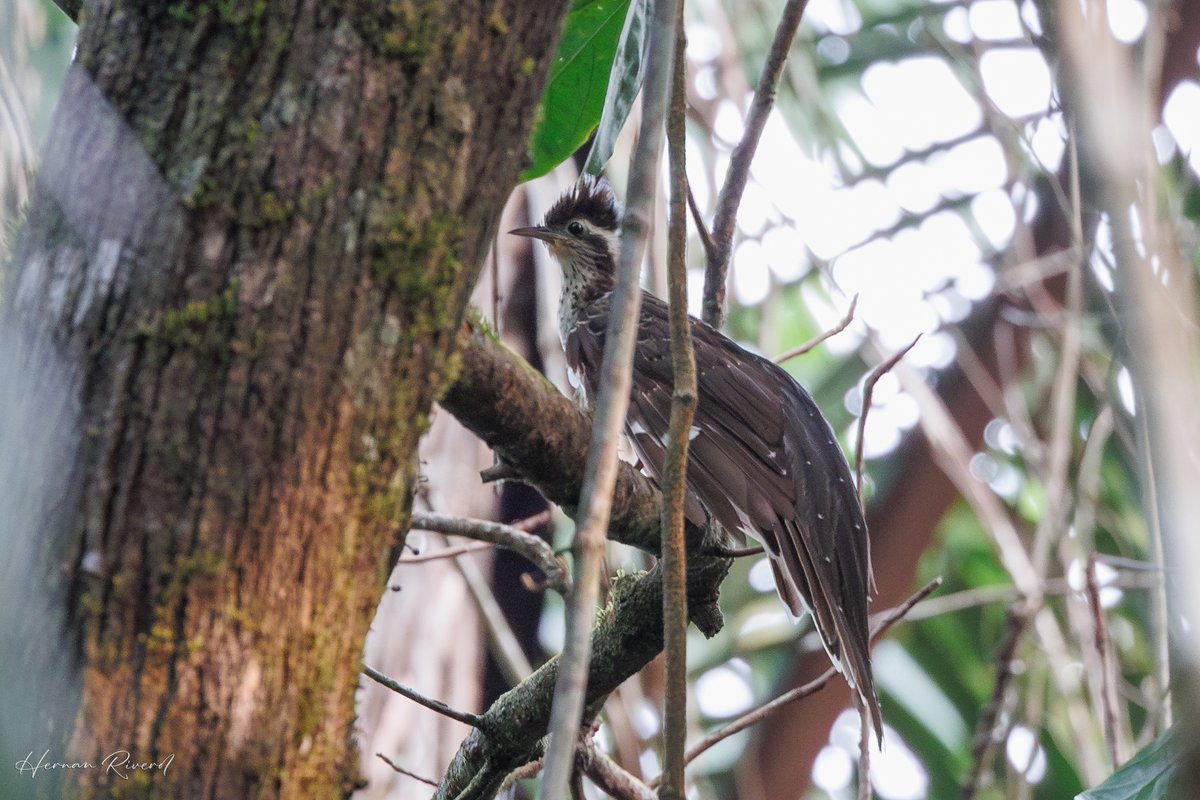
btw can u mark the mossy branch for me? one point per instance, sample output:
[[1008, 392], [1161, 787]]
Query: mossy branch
[[543, 437], [627, 636]]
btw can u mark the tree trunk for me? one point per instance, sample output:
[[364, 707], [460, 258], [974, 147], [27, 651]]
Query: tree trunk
[[251, 245]]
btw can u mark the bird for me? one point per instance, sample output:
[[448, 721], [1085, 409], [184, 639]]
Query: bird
[[762, 459]]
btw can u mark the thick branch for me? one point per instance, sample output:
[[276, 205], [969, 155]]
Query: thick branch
[[628, 635], [543, 436]]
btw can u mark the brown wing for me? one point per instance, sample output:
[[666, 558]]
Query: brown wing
[[764, 462]]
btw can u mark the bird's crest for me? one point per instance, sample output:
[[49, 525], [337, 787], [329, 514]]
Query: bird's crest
[[591, 200]]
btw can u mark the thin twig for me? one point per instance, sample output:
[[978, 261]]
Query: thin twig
[[537, 520], [683, 409], [1061, 437], [522, 773], [868, 392], [985, 736], [499, 472], [698, 219], [506, 536], [496, 321], [449, 552], [864, 753], [527, 524], [504, 645], [816, 340], [465, 717], [1087, 618], [736, 552], [1159, 628], [879, 626], [608, 775], [1108, 688], [403, 771], [615, 379], [1007, 595], [739, 162], [952, 452]]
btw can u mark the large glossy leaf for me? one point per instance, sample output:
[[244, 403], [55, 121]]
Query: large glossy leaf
[[579, 78], [1146, 776], [624, 83]]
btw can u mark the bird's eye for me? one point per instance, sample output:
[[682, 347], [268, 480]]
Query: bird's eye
[[575, 228]]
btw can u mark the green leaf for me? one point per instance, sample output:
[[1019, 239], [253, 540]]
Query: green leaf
[[1191, 202], [624, 83], [1146, 776], [579, 77]]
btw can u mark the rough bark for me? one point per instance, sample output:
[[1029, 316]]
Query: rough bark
[[251, 245], [496, 393]]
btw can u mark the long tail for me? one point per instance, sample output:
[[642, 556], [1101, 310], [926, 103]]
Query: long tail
[[840, 620]]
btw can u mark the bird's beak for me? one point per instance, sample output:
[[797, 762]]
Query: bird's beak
[[538, 232]]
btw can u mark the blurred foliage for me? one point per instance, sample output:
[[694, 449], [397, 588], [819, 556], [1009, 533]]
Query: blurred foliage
[[35, 45], [952, 650]]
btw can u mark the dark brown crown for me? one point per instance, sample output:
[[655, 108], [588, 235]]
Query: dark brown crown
[[591, 200]]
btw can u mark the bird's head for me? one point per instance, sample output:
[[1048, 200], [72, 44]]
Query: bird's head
[[581, 232]]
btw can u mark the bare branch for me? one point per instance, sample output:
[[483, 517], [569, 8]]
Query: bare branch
[[465, 717], [1007, 595], [449, 552], [740, 160], [698, 220], [600, 472], [499, 472], [503, 643], [816, 340], [1100, 640], [737, 552], [882, 622], [496, 394], [864, 753], [683, 409], [985, 730], [403, 771], [506, 536], [868, 392], [536, 521], [608, 774]]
